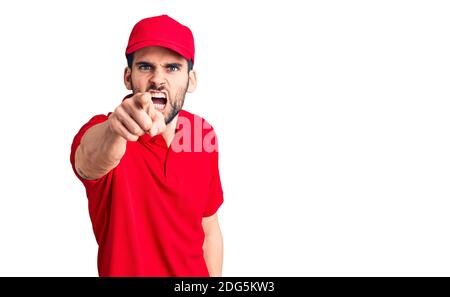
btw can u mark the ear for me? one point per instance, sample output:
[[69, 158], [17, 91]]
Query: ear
[[127, 78], [192, 81]]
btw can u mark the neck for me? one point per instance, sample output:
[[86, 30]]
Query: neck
[[169, 133]]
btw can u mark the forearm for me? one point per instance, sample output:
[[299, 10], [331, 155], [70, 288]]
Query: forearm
[[213, 253], [100, 150]]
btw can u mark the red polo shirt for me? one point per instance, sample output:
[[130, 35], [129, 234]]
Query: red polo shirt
[[147, 212]]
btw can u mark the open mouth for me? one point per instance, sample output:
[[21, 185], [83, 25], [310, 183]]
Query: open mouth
[[159, 100]]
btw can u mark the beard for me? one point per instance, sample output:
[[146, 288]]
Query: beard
[[174, 103]]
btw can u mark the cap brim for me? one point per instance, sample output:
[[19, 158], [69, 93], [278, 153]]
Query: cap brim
[[174, 47]]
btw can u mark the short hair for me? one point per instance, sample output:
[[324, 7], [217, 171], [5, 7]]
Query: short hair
[[130, 58]]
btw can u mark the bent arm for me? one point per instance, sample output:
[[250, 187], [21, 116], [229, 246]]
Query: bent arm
[[100, 150], [213, 245]]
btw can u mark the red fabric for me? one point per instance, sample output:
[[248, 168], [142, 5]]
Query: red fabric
[[162, 31], [147, 212]]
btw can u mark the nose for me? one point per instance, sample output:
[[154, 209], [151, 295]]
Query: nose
[[157, 79]]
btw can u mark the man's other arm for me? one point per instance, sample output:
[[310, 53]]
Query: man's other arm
[[213, 245]]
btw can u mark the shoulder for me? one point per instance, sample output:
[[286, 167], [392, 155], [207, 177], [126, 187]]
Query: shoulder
[[96, 119]]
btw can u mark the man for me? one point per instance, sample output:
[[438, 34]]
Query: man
[[150, 169]]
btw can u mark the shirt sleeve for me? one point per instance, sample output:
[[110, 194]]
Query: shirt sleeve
[[98, 119], [215, 197], [96, 190]]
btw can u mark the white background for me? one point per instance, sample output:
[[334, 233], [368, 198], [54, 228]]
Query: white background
[[332, 118]]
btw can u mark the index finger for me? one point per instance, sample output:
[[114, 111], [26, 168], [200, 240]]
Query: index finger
[[151, 107], [144, 100]]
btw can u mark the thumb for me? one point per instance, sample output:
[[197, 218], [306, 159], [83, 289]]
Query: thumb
[[158, 125]]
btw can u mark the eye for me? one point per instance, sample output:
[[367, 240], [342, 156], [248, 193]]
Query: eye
[[173, 68], [145, 68]]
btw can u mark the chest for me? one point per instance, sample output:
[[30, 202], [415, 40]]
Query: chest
[[161, 177]]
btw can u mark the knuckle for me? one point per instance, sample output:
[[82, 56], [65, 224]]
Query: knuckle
[[135, 130], [128, 136], [118, 112], [120, 107], [113, 124], [146, 125], [126, 104]]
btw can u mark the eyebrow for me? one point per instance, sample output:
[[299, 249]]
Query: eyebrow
[[166, 65]]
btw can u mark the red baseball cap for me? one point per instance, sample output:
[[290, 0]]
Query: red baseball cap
[[162, 31]]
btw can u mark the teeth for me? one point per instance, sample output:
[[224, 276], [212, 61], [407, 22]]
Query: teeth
[[160, 106], [158, 95]]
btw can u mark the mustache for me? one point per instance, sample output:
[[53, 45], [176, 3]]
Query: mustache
[[150, 88], [154, 88]]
